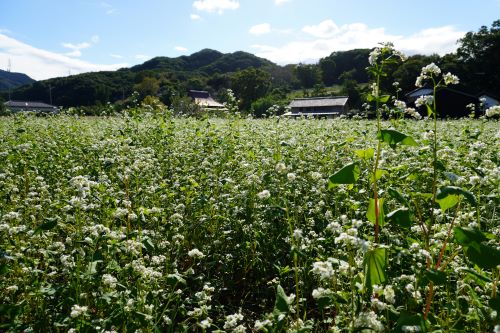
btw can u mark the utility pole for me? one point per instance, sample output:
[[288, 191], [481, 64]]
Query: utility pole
[[9, 66], [50, 93]]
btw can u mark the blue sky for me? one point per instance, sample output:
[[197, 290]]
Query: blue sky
[[49, 38]]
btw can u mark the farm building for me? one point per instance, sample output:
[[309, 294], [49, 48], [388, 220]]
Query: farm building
[[23, 106], [203, 99], [327, 107], [488, 100], [450, 102]]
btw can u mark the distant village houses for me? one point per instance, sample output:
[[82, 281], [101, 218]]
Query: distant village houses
[[204, 100], [322, 107], [25, 106], [454, 103]]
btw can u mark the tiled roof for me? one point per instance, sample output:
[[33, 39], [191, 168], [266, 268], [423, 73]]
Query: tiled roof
[[318, 102], [31, 105], [208, 102]]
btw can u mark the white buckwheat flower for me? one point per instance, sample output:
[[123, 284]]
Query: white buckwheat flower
[[450, 79], [264, 194], [77, 311], [195, 253]]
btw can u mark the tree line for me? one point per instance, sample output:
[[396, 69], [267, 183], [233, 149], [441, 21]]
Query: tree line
[[259, 83]]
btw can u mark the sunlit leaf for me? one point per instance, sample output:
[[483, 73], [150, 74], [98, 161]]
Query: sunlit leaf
[[454, 190], [393, 137], [365, 154], [374, 267], [349, 174]]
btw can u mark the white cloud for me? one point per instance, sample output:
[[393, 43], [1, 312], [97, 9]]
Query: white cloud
[[218, 6], [195, 17], [180, 48], [325, 29], [280, 2], [76, 48], [41, 64], [330, 38], [439, 40], [260, 29], [116, 56]]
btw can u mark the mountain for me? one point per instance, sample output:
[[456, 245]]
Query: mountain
[[207, 69], [10, 80]]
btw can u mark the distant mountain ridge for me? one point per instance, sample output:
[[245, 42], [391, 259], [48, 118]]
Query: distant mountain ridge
[[207, 60], [10, 80], [180, 74]]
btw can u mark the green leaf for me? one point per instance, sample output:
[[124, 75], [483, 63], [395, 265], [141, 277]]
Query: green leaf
[[370, 98], [495, 303], [374, 267], [48, 225], [454, 190], [379, 174], [448, 202], [384, 98], [437, 277], [365, 154], [484, 256], [466, 236], [397, 196], [407, 319], [393, 137], [370, 214], [281, 305], [175, 279], [476, 276], [430, 110], [401, 217], [349, 174]]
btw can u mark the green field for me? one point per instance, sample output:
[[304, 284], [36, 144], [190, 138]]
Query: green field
[[157, 224]]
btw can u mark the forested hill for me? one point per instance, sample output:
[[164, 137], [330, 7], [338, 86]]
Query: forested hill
[[252, 78], [9, 80], [206, 69]]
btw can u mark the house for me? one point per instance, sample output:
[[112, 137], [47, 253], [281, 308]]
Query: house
[[327, 107], [449, 102], [488, 100], [24, 106], [203, 99]]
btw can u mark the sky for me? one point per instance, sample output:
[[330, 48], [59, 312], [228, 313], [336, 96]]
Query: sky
[[53, 38]]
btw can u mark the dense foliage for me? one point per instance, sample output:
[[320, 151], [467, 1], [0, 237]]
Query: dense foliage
[[118, 224]]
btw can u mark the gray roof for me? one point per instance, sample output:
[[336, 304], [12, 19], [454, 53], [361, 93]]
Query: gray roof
[[318, 102], [420, 92], [31, 105]]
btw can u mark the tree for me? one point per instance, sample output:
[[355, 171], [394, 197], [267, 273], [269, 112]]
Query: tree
[[249, 85], [149, 86], [480, 54], [351, 88], [409, 70], [2, 107], [308, 75], [328, 67]]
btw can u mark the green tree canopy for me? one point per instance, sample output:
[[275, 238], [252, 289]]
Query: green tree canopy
[[308, 75], [480, 54], [249, 85]]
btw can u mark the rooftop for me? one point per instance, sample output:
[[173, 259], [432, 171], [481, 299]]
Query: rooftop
[[318, 102], [32, 105]]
